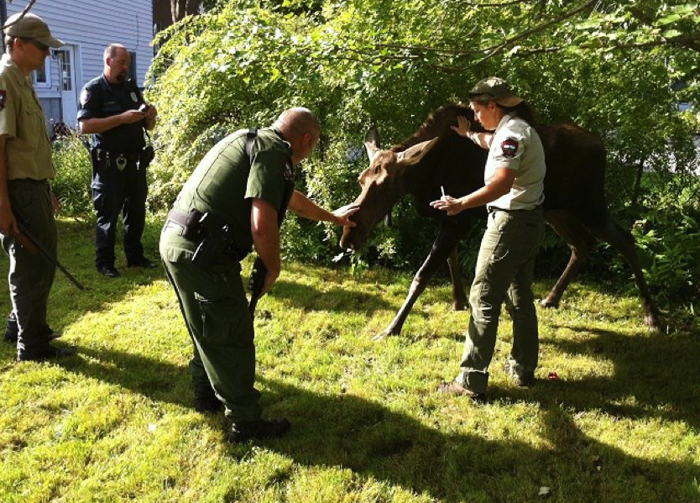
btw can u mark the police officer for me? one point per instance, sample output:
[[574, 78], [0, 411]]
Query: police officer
[[513, 193], [112, 108], [244, 184], [27, 204]]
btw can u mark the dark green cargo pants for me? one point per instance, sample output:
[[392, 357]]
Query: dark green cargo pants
[[504, 272], [215, 309], [31, 276]]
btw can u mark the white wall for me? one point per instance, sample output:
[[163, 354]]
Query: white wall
[[94, 24], [89, 26]]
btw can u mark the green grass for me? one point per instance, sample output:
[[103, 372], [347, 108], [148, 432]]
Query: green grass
[[116, 423]]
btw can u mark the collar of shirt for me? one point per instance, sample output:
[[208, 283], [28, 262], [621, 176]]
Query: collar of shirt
[[279, 133], [503, 121], [15, 73]]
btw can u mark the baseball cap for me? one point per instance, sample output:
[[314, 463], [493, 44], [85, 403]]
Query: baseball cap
[[31, 27], [494, 89]]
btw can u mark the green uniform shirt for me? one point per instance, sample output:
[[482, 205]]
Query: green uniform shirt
[[27, 146], [226, 180]]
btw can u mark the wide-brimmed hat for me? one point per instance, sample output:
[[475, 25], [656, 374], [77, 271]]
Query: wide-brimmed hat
[[31, 27], [494, 89]]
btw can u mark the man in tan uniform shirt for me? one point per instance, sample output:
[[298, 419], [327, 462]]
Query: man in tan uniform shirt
[[25, 196]]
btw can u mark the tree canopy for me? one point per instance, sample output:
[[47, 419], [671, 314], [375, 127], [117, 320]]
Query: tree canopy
[[620, 69]]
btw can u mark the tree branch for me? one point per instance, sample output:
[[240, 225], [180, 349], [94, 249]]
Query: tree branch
[[26, 9]]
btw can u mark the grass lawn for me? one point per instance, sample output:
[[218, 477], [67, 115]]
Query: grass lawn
[[621, 423]]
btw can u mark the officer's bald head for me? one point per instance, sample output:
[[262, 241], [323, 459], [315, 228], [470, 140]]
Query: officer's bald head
[[117, 61], [111, 51], [301, 129], [296, 122]]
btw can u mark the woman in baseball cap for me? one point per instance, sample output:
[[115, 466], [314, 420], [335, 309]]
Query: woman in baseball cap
[[513, 194]]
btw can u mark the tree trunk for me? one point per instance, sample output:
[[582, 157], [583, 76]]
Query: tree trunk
[[182, 8]]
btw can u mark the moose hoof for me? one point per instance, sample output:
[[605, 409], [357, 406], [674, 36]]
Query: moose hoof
[[652, 322], [547, 303], [459, 305]]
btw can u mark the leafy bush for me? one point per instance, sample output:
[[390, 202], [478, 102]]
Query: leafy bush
[[668, 233], [361, 63], [71, 159]]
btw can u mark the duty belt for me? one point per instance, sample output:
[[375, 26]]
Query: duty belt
[[121, 159], [203, 229], [189, 224]]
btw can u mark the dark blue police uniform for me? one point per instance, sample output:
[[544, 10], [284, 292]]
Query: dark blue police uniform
[[118, 169]]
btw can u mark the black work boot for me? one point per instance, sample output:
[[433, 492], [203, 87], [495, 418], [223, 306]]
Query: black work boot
[[524, 379], [242, 431], [205, 400], [108, 270], [47, 352], [12, 330]]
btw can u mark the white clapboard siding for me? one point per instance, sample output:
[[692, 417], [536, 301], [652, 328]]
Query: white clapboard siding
[[89, 26], [93, 24]]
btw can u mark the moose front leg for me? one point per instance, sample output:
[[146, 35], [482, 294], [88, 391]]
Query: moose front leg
[[444, 246]]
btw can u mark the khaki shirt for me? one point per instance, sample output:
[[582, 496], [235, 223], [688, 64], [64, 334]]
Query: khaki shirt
[[27, 146], [517, 146]]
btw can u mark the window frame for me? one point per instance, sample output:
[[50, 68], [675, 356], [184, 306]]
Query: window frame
[[47, 73]]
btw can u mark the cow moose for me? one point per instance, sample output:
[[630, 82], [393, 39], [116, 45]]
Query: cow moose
[[435, 156]]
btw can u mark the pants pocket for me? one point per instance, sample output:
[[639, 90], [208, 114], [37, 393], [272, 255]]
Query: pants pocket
[[226, 321]]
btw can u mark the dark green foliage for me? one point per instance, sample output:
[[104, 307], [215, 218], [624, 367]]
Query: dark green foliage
[[71, 159], [668, 231], [614, 69]]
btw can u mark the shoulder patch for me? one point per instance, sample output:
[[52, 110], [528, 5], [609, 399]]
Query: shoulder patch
[[288, 171], [509, 147], [3, 98], [84, 97]]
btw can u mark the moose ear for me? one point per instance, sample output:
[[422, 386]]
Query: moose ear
[[372, 142], [414, 154]]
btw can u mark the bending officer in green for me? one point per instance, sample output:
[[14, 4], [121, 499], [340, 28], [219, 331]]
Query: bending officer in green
[[231, 203]]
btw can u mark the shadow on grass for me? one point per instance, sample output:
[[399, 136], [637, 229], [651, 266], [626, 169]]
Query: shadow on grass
[[377, 443], [160, 381], [654, 376], [334, 299], [76, 253], [380, 444]]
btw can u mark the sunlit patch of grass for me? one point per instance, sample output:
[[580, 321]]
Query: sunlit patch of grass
[[614, 415]]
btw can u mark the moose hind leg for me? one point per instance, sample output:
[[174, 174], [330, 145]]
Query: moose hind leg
[[459, 296], [613, 233], [571, 229]]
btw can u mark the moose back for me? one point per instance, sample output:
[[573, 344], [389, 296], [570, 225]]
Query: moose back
[[435, 156]]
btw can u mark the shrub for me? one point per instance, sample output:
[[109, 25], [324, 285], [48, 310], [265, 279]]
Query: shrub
[[71, 159], [668, 233]]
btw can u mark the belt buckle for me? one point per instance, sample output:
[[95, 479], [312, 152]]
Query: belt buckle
[[121, 162]]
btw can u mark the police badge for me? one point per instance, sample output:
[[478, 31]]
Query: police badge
[[121, 162]]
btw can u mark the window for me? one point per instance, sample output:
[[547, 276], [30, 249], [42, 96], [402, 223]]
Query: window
[[132, 67], [42, 77], [65, 68]]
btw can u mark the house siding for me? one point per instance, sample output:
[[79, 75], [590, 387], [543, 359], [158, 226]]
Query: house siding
[[91, 25]]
